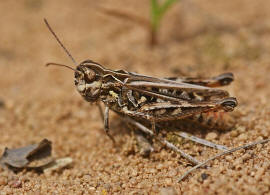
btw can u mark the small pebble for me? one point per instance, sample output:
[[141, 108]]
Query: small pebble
[[160, 166], [168, 191], [3, 181], [172, 173], [259, 173], [241, 129], [242, 137], [204, 176], [234, 133], [168, 181], [246, 156], [211, 136], [17, 183]]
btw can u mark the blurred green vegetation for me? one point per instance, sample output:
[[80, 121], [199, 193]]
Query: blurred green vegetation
[[158, 10]]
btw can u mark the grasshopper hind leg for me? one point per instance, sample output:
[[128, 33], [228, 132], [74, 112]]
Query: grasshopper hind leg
[[160, 139], [217, 81]]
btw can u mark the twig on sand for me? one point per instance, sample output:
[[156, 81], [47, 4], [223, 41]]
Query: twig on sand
[[201, 141], [222, 154]]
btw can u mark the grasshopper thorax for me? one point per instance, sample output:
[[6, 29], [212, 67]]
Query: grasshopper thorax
[[88, 82]]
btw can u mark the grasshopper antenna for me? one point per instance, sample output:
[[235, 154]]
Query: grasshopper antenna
[[60, 43], [63, 65]]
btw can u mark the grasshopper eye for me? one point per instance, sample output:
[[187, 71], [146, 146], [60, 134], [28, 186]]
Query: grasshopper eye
[[77, 75], [90, 76]]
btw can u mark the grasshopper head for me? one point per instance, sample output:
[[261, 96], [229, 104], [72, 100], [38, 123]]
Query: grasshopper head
[[88, 82]]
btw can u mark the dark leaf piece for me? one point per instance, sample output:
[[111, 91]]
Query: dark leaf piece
[[32, 156]]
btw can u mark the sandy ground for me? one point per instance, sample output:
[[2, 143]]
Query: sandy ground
[[205, 38]]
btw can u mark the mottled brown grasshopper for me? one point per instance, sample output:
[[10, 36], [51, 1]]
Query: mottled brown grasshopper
[[150, 99]]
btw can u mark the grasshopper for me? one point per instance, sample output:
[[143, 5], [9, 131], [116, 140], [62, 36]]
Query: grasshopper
[[149, 99]]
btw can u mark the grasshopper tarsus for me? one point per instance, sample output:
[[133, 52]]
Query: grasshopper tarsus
[[111, 137]]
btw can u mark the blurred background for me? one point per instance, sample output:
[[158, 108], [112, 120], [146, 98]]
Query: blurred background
[[194, 38]]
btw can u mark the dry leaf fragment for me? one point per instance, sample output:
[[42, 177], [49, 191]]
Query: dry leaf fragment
[[32, 156], [58, 164]]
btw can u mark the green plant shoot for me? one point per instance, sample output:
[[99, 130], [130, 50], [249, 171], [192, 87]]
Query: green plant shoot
[[158, 10]]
